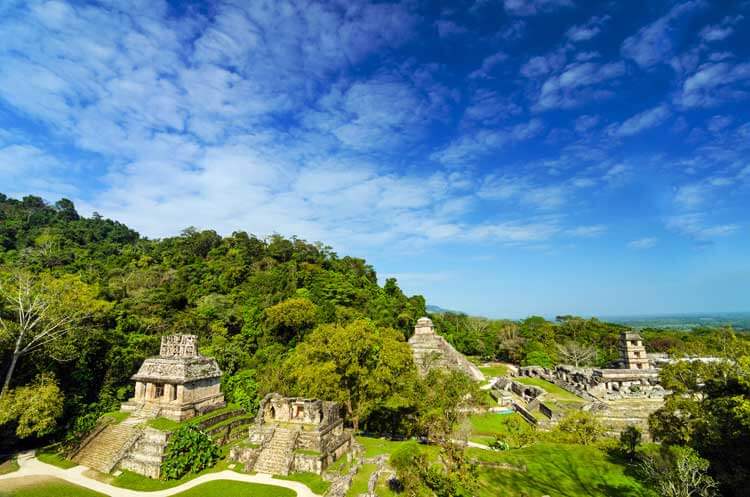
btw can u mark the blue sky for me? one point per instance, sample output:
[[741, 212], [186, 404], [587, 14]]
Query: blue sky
[[502, 157]]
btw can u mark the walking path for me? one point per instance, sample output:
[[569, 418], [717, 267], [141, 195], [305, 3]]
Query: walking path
[[31, 466]]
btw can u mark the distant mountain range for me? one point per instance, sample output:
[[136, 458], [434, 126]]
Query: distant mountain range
[[437, 309], [738, 320]]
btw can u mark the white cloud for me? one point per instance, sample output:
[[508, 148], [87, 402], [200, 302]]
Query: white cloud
[[586, 122], [721, 31], [694, 226], [472, 145], [577, 84], [587, 31], [644, 120], [643, 243], [533, 7], [446, 28], [711, 84], [652, 44], [592, 231], [488, 64]]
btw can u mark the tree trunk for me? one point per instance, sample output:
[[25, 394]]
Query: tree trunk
[[9, 374]]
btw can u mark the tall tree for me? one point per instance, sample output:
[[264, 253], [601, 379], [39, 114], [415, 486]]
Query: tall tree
[[360, 365], [40, 311]]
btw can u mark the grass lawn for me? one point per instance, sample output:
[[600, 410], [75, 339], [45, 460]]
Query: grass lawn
[[491, 371], [376, 446], [359, 483], [489, 424], [316, 483], [44, 487], [8, 466], [134, 481], [55, 459], [228, 488], [552, 389], [163, 424], [118, 416], [556, 469]]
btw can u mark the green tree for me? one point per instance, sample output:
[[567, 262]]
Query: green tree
[[291, 318], [35, 408], [242, 389], [581, 427], [679, 472], [41, 313], [630, 437], [361, 365]]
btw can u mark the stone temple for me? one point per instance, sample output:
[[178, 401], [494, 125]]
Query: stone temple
[[294, 434], [431, 350], [177, 384]]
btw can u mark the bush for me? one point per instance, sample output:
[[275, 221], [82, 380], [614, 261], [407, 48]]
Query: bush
[[242, 389], [580, 427], [630, 437], [189, 450]]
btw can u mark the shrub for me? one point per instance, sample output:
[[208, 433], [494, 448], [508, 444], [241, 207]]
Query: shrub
[[189, 450], [581, 427], [630, 437], [242, 389]]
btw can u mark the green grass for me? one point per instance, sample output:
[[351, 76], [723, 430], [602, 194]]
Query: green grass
[[360, 480], [50, 487], [497, 370], [163, 424], [553, 390], [118, 416], [489, 424], [134, 481], [55, 459], [377, 446], [316, 483], [556, 469], [213, 414], [340, 465], [228, 488], [8, 466]]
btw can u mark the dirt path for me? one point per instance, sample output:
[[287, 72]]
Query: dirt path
[[33, 467]]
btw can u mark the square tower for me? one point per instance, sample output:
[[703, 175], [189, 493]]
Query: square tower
[[632, 351]]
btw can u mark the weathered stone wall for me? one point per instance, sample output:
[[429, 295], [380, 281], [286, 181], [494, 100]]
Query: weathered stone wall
[[146, 456]]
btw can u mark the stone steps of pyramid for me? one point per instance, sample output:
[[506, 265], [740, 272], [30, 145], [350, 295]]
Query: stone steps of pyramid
[[101, 452]]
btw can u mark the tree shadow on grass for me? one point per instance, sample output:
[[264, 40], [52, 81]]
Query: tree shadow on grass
[[565, 474]]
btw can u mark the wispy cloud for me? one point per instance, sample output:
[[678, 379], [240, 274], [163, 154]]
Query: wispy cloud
[[653, 43], [533, 7], [587, 31], [643, 120], [643, 243]]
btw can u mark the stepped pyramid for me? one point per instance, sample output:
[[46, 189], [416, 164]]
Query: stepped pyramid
[[108, 447], [431, 350], [276, 457]]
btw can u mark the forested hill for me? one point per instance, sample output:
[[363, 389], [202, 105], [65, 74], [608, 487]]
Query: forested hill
[[250, 299]]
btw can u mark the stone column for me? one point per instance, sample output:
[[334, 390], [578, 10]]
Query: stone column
[[150, 391], [180, 394], [139, 390], [168, 389]]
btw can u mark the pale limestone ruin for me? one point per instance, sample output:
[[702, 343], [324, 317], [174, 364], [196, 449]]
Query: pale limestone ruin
[[294, 434], [430, 350], [177, 384], [620, 396]]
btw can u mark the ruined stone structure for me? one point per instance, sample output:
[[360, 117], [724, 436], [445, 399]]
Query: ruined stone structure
[[621, 396], [177, 384], [294, 434], [431, 350], [632, 351]]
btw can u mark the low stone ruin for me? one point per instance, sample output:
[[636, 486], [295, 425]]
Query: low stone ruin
[[430, 350], [294, 434]]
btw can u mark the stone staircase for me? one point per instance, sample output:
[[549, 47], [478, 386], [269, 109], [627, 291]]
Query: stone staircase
[[276, 456], [105, 450]]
